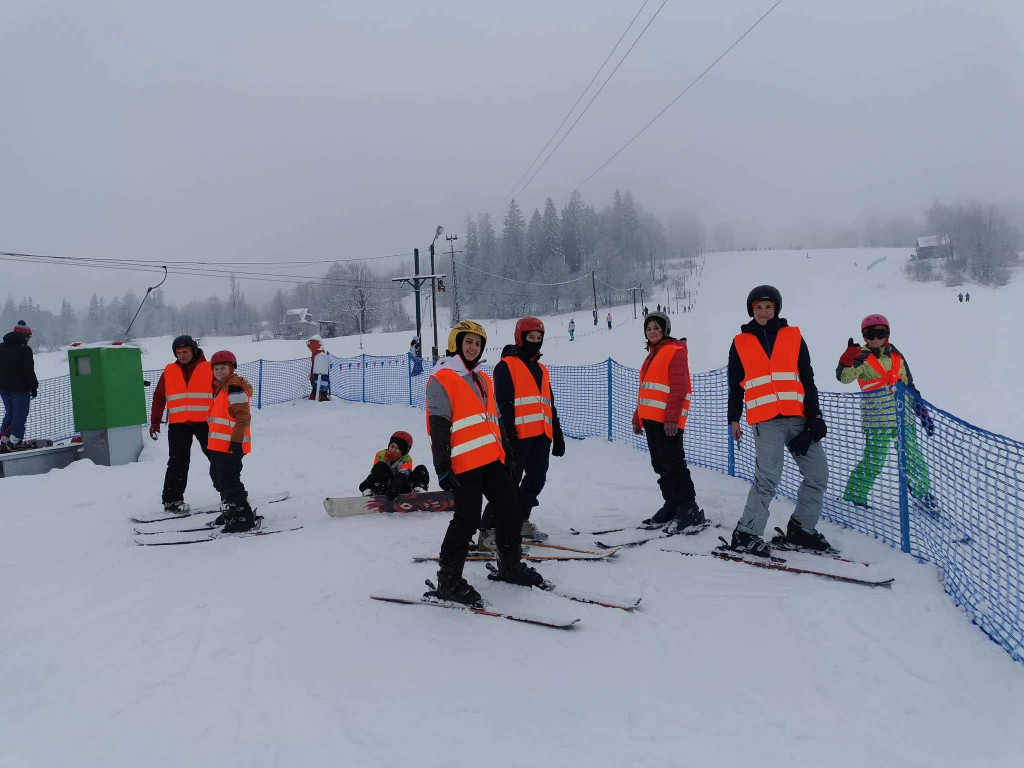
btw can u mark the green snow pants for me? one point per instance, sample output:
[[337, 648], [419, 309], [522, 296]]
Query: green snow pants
[[876, 450]]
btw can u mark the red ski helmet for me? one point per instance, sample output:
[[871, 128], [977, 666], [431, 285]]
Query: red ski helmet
[[403, 440], [223, 357], [871, 320], [524, 326]]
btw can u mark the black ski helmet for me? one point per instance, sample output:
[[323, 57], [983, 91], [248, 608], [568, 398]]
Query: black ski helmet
[[764, 293], [662, 319], [185, 341]]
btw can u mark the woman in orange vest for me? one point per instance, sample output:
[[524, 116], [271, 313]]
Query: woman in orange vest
[[663, 403], [470, 457], [770, 375], [876, 367], [186, 389], [230, 440], [526, 405]]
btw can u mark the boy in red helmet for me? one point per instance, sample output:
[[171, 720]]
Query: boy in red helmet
[[230, 440], [876, 367], [393, 473], [522, 391]]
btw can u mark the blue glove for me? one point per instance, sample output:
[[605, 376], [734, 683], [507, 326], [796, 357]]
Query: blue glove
[[449, 481]]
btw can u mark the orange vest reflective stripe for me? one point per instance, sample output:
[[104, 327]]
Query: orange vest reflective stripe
[[476, 434], [383, 456], [771, 387], [885, 378], [532, 403], [221, 425], [652, 396], [188, 402]]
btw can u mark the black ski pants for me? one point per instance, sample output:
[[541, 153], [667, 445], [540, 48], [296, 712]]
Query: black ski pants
[[227, 471], [669, 462], [179, 444], [491, 481], [533, 455]]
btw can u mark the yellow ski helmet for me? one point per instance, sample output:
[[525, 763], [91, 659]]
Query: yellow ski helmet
[[464, 326]]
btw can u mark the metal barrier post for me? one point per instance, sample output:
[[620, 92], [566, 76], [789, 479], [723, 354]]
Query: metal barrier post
[[259, 388], [732, 451], [408, 370], [364, 375], [901, 455], [609, 364]]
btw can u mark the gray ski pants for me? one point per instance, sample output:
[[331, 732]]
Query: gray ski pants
[[770, 439]]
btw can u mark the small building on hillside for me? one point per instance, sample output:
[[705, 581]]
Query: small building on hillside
[[933, 247], [299, 324]]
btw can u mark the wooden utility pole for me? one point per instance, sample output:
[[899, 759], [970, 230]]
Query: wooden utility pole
[[455, 280], [593, 285]]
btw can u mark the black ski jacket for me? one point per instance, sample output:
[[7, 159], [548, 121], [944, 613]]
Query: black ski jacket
[[766, 334], [17, 369]]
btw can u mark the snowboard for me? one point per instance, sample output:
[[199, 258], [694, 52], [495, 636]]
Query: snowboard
[[33, 444], [427, 501]]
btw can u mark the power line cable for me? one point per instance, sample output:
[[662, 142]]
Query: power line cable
[[521, 282], [571, 109], [677, 98], [581, 114]]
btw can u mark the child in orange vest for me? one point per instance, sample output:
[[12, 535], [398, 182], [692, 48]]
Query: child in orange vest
[[229, 441], [393, 473]]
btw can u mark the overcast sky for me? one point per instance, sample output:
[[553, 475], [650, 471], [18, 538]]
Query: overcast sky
[[253, 131]]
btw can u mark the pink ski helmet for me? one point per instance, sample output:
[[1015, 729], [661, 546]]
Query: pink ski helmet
[[871, 320]]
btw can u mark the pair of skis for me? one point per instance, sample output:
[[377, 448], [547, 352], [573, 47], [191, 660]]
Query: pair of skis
[[197, 527]]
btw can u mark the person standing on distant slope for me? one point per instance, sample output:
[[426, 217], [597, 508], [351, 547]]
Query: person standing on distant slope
[[572, 329], [471, 458], [186, 388], [876, 367], [645, 312], [770, 374], [960, 296], [319, 370], [230, 440], [663, 403], [522, 388], [967, 297], [18, 385], [608, 320]]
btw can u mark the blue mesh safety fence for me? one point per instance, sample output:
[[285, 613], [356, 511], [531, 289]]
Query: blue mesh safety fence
[[900, 469]]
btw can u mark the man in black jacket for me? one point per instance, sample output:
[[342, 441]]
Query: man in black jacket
[[18, 385], [783, 411], [528, 434]]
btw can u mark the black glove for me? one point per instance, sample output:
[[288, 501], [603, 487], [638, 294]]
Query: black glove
[[927, 424], [448, 480], [35, 392], [800, 444], [510, 469], [817, 428], [558, 444], [236, 449]]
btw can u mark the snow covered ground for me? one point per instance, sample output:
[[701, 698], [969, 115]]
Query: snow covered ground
[[269, 652]]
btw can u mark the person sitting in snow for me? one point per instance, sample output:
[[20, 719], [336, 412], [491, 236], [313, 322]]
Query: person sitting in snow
[[393, 473], [319, 369]]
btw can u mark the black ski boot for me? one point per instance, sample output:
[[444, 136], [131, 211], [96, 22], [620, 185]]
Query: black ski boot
[[662, 516], [419, 479], [512, 569], [240, 518], [689, 519], [749, 544], [452, 588], [798, 537]]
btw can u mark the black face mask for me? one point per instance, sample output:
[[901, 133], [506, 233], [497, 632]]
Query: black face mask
[[532, 348]]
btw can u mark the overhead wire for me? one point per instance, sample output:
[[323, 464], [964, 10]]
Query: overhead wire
[[593, 98], [677, 98], [571, 109]]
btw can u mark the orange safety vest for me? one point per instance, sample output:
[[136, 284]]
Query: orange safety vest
[[476, 433], [885, 378], [188, 402], [652, 396], [532, 403], [771, 387], [383, 456], [221, 425]]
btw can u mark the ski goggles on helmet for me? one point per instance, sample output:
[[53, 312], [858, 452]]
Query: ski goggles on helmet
[[876, 333]]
